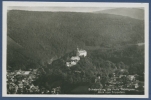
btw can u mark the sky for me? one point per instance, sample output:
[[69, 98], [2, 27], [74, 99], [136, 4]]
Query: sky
[[59, 9]]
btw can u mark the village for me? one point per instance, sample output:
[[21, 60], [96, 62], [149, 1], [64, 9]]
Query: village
[[123, 82], [119, 84], [21, 82]]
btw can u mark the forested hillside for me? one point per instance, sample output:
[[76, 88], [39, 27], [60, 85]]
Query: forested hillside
[[136, 13], [39, 37]]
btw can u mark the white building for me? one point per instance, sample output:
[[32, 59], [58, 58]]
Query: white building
[[75, 58], [81, 52], [136, 85], [131, 77], [68, 64], [26, 73], [72, 63]]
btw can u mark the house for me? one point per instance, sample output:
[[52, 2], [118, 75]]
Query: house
[[20, 85], [131, 77], [56, 90], [122, 76], [136, 85], [75, 58], [68, 64], [18, 72], [72, 63], [98, 79], [81, 53], [26, 73]]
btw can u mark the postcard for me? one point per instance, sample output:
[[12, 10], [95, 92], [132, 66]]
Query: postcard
[[75, 49]]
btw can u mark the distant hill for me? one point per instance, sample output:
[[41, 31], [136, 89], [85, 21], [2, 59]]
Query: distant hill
[[129, 12], [37, 37]]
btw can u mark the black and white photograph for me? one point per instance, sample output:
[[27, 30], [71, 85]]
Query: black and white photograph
[[53, 49]]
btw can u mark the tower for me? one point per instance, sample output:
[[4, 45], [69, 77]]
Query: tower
[[77, 52], [77, 49]]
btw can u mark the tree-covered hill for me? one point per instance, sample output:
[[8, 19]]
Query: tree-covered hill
[[97, 62], [38, 37], [137, 13]]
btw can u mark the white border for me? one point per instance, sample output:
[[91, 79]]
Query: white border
[[6, 4]]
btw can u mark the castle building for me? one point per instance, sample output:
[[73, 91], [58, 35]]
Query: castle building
[[72, 63], [81, 53], [75, 58]]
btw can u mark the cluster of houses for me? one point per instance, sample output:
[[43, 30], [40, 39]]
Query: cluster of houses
[[75, 59], [56, 90], [19, 82], [117, 82]]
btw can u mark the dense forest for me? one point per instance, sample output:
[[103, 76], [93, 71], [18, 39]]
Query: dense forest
[[40, 36]]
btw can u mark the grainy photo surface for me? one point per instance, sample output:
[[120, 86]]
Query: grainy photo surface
[[75, 50]]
